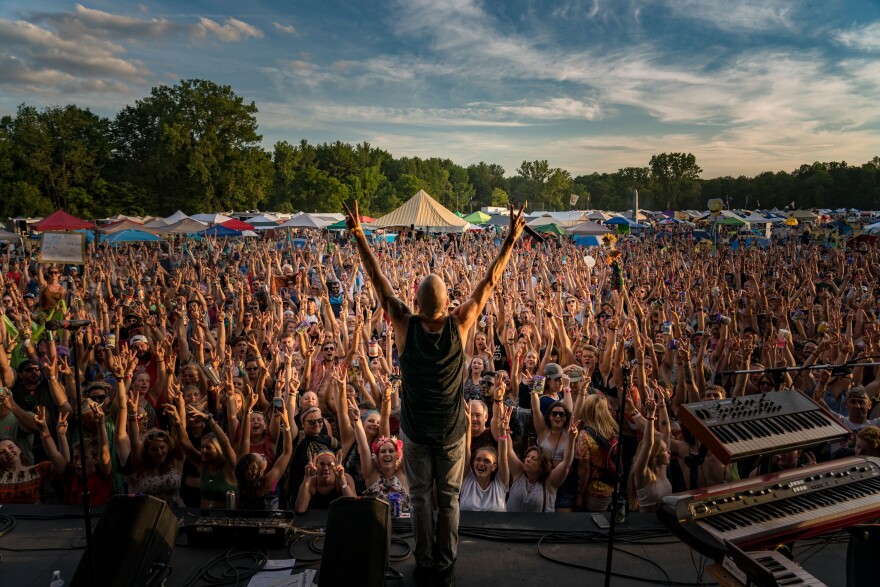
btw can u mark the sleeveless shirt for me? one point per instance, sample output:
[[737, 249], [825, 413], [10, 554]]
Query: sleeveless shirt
[[432, 410]]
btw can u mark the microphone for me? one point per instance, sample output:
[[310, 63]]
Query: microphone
[[66, 324], [533, 233]]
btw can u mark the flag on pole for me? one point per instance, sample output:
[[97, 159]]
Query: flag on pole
[[573, 199]]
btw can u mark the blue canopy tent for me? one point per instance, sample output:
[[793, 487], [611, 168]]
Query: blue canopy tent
[[131, 236], [840, 227], [388, 237], [702, 235], [619, 220], [587, 240], [218, 231]]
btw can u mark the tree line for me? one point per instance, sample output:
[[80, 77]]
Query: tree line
[[195, 146]]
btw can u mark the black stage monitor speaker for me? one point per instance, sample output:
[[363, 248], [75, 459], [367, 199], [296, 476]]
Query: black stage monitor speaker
[[357, 542], [134, 534], [861, 556]]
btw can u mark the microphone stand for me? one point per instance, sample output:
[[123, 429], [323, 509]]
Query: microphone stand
[[621, 420], [87, 520]]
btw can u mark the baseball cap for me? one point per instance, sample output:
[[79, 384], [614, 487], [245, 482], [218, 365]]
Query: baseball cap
[[552, 371], [575, 374], [857, 392], [138, 338]]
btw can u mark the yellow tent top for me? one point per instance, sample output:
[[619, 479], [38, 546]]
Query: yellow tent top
[[424, 213]]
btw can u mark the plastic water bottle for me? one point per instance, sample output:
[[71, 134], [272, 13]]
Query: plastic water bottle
[[57, 581]]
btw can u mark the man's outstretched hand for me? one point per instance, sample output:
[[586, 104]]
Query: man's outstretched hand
[[517, 222], [352, 219]]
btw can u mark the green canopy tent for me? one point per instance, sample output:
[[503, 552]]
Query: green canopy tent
[[552, 228], [731, 221], [478, 217]]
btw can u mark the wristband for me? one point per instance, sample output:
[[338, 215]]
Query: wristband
[[499, 401], [650, 419], [53, 378], [356, 230], [502, 437], [566, 390], [128, 375], [344, 485], [45, 436]]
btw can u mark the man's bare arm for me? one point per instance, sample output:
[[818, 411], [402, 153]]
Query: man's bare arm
[[396, 309], [467, 313]]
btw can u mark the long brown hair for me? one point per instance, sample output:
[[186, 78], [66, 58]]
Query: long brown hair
[[595, 414]]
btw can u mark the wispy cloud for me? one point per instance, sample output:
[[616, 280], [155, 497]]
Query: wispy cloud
[[285, 28], [865, 38], [738, 16], [88, 21], [29, 47], [231, 30]]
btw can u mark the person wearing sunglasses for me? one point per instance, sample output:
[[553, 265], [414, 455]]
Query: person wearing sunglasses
[[52, 290], [307, 441]]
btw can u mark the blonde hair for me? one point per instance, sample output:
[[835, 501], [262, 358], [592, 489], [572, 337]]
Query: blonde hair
[[595, 414]]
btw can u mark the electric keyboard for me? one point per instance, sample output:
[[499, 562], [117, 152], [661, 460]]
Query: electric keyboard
[[790, 505], [767, 568], [762, 424]]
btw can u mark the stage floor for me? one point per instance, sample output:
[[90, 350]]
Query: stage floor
[[495, 549]]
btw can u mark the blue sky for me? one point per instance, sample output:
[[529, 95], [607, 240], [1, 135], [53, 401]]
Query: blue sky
[[589, 85]]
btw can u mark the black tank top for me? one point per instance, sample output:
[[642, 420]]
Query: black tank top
[[431, 367]]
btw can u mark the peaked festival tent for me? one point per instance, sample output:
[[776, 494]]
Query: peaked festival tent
[[176, 217], [219, 230], [131, 236], [305, 221], [589, 228], [265, 219], [120, 226], [61, 220], [478, 217], [424, 213], [212, 218], [185, 226], [236, 224]]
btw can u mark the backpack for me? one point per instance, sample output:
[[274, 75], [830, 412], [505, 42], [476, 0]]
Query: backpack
[[609, 473]]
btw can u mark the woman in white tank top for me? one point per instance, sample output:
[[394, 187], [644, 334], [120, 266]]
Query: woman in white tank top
[[485, 484], [536, 479]]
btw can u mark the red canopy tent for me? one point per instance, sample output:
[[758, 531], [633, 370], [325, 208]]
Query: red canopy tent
[[61, 220], [236, 224]]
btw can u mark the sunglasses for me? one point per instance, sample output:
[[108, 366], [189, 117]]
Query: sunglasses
[[486, 383], [331, 349], [314, 421], [557, 414], [31, 370], [98, 398], [251, 368]]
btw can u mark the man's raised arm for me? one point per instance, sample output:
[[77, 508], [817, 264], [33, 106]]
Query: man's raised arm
[[396, 309], [467, 313]]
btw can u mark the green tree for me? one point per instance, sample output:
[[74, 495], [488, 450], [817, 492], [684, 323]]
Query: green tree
[[486, 178], [499, 198], [675, 178], [194, 146], [62, 151]]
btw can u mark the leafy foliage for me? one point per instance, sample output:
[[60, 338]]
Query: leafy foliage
[[196, 146]]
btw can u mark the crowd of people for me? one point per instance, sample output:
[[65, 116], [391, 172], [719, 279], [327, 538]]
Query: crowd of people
[[275, 372]]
